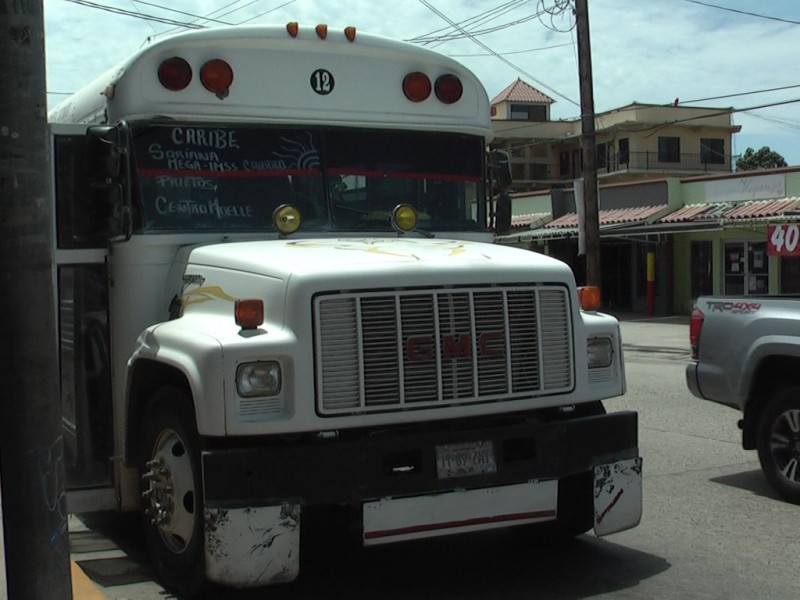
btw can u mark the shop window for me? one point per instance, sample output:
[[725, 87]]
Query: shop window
[[790, 274], [701, 269], [746, 268]]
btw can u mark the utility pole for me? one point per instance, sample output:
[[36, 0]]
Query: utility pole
[[588, 147], [31, 446]]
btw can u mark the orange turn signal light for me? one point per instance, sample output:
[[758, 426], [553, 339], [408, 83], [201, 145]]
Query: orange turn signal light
[[249, 312], [589, 297]]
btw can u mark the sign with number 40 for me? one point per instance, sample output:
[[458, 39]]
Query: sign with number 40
[[783, 240]]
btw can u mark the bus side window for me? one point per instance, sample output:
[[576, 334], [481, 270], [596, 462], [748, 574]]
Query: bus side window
[[85, 213]]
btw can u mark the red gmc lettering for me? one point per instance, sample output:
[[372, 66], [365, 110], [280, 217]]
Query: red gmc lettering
[[486, 339], [419, 348], [455, 346]]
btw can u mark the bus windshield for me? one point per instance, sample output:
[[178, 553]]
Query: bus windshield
[[201, 177]]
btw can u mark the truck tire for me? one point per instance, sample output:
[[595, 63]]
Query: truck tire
[[779, 441], [172, 500]]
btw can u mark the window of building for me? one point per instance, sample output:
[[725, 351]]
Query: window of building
[[669, 149], [746, 268], [712, 151], [602, 156], [523, 112], [624, 151]]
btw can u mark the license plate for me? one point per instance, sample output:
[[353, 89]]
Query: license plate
[[463, 460]]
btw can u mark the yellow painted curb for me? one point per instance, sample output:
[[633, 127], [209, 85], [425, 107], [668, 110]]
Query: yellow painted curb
[[82, 587]]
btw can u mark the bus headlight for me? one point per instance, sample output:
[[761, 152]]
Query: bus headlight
[[599, 352], [258, 379]]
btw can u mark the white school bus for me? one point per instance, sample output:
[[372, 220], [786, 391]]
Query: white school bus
[[280, 303]]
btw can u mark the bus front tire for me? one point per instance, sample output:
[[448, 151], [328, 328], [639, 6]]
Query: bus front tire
[[172, 502]]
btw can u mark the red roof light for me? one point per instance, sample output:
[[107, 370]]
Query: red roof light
[[449, 89], [217, 76], [175, 74], [417, 86]]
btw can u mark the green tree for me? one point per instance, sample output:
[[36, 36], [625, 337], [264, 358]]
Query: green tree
[[765, 158]]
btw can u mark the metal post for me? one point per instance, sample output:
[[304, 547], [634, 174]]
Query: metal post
[[31, 459]]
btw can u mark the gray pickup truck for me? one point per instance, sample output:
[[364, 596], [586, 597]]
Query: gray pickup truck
[[746, 355]]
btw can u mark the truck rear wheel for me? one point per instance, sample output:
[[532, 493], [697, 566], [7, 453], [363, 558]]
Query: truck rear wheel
[[779, 442], [171, 494]]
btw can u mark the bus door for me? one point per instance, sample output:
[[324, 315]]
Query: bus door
[[82, 285]]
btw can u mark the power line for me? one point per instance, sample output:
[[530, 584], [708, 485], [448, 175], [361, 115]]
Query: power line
[[136, 15], [512, 52], [744, 12], [775, 89], [484, 17], [494, 53]]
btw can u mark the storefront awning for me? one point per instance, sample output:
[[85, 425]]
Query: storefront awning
[[566, 226], [727, 212]]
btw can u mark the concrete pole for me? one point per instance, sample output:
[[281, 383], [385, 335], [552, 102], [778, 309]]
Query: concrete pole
[[31, 448], [588, 146]]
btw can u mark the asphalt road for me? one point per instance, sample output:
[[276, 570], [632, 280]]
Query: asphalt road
[[711, 528]]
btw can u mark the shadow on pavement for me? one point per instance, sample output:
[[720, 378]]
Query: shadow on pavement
[[499, 564], [751, 481]]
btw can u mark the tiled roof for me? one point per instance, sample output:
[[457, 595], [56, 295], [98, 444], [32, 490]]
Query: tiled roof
[[610, 216], [753, 209], [526, 220], [519, 91]]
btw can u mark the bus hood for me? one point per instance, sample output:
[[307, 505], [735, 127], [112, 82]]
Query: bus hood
[[372, 258]]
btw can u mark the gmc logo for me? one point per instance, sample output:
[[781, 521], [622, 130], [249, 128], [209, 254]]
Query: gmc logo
[[455, 346]]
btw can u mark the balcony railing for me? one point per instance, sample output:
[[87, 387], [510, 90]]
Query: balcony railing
[[640, 162]]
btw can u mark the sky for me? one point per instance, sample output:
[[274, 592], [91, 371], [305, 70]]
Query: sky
[[712, 53]]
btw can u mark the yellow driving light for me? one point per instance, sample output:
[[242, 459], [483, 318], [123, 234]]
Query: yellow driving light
[[404, 218], [286, 219]]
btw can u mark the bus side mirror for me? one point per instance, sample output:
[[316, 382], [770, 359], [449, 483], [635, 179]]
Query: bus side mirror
[[103, 151], [107, 208], [502, 214], [501, 168]]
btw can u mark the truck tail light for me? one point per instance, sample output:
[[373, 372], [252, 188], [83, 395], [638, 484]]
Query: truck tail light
[[249, 313], [695, 326]]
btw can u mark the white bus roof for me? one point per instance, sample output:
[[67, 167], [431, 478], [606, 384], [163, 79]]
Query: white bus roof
[[272, 74]]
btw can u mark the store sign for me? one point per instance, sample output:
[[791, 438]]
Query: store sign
[[742, 189], [783, 240]]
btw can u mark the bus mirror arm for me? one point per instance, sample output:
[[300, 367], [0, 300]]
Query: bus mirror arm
[[112, 213]]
